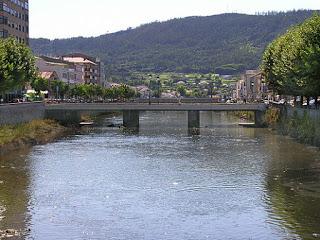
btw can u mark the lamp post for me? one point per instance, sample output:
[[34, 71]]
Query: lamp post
[[159, 86]]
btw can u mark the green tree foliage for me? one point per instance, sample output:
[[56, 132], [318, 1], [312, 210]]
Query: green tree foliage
[[181, 89], [226, 44], [291, 63], [40, 84], [96, 92], [58, 88], [124, 92], [17, 65]]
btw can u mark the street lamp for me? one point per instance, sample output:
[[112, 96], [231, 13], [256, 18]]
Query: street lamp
[[159, 86]]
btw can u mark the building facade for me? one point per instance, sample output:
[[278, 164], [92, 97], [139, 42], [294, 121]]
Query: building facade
[[251, 86], [14, 20], [67, 72], [93, 68]]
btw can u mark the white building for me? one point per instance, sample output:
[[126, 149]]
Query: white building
[[66, 71]]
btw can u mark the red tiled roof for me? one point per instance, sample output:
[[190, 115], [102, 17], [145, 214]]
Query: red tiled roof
[[47, 75]]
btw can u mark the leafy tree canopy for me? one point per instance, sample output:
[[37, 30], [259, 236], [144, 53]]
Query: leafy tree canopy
[[17, 66], [291, 63]]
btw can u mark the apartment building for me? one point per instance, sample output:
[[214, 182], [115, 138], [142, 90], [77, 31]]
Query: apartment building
[[251, 86], [66, 71], [14, 20], [93, 68]]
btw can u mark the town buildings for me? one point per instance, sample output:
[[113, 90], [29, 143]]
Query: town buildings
[[250, 87], [93, 68], [65, 71], [14, 20], [74, 69]]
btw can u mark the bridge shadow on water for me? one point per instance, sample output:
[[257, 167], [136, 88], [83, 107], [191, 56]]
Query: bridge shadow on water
[[176, 123]]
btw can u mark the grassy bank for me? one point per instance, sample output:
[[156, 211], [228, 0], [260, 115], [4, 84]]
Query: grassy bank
[[28, 134], [303, 127]]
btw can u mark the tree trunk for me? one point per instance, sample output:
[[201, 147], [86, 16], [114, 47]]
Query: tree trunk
[[294, 101], [316, 102]]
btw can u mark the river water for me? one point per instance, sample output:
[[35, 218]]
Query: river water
[[228, 182]]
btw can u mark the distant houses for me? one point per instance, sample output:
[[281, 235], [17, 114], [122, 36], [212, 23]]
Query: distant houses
[[72, 69]]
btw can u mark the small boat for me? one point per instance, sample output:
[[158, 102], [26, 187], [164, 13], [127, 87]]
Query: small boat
[[86, 123], [248, 125]]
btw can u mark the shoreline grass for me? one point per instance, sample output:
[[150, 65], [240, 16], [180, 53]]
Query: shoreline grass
[[32, 133]]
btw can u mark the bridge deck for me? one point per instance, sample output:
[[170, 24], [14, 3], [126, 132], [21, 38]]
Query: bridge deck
[[155, 107]]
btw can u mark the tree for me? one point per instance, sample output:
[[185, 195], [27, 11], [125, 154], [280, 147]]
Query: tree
[[291, 62], [109, 93], [59, 88], [181, 89], [17, 65], [125, 92], [40, 84]]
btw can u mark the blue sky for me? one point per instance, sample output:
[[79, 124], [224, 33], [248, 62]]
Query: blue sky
[[72, 18]]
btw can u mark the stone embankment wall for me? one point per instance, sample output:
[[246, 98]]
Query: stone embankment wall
[[21, 113], [299, 123]]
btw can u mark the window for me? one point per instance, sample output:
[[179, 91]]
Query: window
[[3, 20], [4, 33]]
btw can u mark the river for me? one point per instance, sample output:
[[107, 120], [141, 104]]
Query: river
[[228, 182]]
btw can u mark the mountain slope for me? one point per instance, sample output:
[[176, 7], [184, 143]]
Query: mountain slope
[[192, 44]]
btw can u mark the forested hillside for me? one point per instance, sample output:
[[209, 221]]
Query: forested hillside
[[226, 43]]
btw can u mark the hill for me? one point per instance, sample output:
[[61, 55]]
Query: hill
[[226, 43]]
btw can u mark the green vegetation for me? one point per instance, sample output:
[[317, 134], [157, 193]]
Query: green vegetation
[[304, 128], [34, 132], [17, 65], [272, 116], [95, 92], [59, 90], [190, 85], [225, 44], [291, 63]]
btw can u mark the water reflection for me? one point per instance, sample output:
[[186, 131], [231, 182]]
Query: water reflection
[[14, 195], [161, 183], [293, 184]]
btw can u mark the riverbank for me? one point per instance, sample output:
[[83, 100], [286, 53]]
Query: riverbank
[[300, 124], [13, 137]]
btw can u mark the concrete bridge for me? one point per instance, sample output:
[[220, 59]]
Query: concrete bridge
[[71, 112]]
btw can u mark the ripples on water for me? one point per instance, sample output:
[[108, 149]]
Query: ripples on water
[[226, 183]]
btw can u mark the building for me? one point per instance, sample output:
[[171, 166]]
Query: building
[[93, 67], [143, 91], [14, 20], [67, 72], [251, 86], [51, 76]]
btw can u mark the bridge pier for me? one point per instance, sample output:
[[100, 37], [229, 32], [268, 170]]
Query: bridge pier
[[131, 119], [64, 116], [194, 122], [259, 119]]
